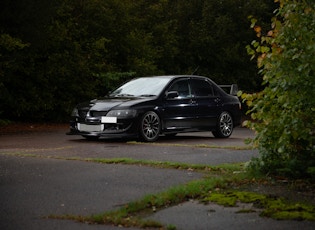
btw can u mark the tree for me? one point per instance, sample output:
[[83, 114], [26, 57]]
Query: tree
[[77, 50], [222, 35], [94, 46], [10, 55], [284, 111]]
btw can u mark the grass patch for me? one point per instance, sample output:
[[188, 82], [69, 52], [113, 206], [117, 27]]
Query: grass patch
[[275, 207], [214, 187], [229, 199], [245, 147], [133, 214], [210, 189], [223, 168]]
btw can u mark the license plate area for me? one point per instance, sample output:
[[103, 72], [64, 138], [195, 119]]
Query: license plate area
[[90, 128], [109, 120]]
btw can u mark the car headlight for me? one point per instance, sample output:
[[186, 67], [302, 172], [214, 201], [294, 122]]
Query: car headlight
[[124, 113], [75, 112]]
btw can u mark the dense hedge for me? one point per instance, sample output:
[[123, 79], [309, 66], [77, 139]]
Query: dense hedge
[[54, 54]]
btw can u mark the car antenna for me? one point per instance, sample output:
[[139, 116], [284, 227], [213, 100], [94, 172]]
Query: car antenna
[[195, 70]]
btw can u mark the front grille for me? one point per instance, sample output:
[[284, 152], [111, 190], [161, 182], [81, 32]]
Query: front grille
[[98, 113]]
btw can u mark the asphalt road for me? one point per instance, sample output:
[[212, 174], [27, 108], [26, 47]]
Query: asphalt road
[[32, 188], [181, 148]]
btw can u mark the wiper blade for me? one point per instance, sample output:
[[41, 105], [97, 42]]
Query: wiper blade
[[123, 95], [147, 95]]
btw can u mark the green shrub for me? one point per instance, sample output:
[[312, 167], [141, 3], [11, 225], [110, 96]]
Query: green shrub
[[283, 113]]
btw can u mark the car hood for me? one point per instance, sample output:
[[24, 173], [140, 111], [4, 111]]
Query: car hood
[[106, 104]]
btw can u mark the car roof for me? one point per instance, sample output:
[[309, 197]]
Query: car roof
[[172, 77], [177, 76]]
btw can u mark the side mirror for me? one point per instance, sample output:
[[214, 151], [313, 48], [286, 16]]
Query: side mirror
[[171, 94]]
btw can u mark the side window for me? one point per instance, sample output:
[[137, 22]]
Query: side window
[[181, 87], [201, 88]]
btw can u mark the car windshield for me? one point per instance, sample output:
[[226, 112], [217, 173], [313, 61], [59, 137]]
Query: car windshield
[[141, 87]]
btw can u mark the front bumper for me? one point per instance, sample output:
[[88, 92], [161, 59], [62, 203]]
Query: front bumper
[[97, 129]]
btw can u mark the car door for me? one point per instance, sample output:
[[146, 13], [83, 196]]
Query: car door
[[178, 108], [207, 103]]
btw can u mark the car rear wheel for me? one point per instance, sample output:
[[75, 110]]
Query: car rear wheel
[[150, 126], [224, 127]]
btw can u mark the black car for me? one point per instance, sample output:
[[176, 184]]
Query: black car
[[150, 106]]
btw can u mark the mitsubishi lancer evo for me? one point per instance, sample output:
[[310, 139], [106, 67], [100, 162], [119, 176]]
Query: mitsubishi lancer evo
[[148, 107]]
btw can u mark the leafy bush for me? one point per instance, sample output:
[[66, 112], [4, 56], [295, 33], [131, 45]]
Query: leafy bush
[[283, 113]]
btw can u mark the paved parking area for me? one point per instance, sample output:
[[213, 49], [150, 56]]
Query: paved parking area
[[32, 188]]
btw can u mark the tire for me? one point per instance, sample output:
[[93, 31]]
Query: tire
[[150, 127], [224, 127]]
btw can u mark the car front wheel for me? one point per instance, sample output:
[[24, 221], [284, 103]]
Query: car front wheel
[[224, 126], [150, 126]]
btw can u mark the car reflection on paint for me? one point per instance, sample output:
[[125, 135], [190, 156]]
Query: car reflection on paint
[[148, 107]]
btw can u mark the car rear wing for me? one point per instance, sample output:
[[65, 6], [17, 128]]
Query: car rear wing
[[230, 89]]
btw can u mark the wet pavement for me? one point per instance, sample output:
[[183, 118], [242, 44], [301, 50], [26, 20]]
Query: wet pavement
[[32, 188]]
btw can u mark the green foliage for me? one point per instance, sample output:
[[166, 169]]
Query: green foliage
[[59, 53], [11, 53], [218, 34], [284, 111]]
